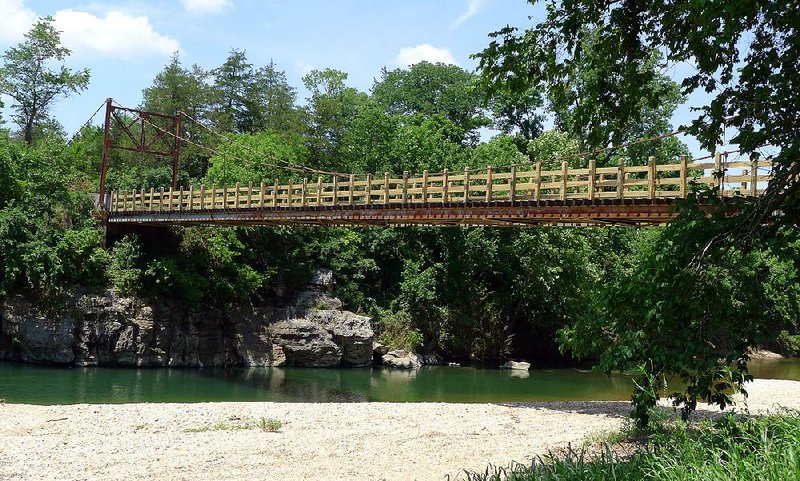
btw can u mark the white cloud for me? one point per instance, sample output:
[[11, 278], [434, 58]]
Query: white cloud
[[15, 20], [116, 33], [473, 8], [303, 67], [424, 52], [206, 7]]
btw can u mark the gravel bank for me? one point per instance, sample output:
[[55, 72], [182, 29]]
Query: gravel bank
[[370, 441]]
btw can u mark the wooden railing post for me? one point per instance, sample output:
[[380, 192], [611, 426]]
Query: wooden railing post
[[261, 194], [180, 199], [743, 185], [386, 188], [651, 177], [250, 194], [592, 173], [405, 187], [719, 174], [351, 187], [425, 186], [171, 202], [684, 173], [150, 205], [368, 198], [445, 185], [335, 189], [202, 196], [289, 192], [621, 179], [489, 183], [191, 198], [538, 193], [466, 185], [319, 191], [213, 196], [275, 194], [512, 189], [754, 178], [564, 176], [224, 197], [303, 194]]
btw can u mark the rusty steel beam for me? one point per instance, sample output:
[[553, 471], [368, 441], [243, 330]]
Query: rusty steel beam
[[143, 141]]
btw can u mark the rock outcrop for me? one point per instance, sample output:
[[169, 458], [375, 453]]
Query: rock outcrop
[[401, 359], [105, 329], [516, 366]]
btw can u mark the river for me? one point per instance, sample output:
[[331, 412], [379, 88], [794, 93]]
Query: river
[[23, 383]]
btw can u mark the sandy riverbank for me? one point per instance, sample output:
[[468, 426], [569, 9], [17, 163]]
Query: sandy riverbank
[[369, 441]]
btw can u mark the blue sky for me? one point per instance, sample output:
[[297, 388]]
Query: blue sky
[[125, 44]]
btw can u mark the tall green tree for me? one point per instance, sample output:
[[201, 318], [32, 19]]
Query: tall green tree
[[178, 89], [33, 85], [745, 57], [430, 89], [331, 109]]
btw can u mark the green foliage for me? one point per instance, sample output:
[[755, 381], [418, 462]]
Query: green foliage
[[396, 330], [255, 158], [26, 77], [750, 449], [125, 269], [433, 89], [269, 425], [691, 319], [789, 344]]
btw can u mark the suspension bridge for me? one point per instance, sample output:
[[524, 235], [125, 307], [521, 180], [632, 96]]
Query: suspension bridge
[[514, 195]]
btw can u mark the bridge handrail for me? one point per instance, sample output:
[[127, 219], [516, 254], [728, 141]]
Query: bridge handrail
[[516, 183]]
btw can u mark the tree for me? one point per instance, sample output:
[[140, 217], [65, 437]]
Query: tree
[[431, 89], [331, 109], [177, 89], [232, 81], [31, 83], [518, 114], [745, 56], [271, 102]]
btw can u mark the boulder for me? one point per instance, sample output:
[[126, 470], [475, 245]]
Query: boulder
[[517, 366], [306, 343], [401, 359]]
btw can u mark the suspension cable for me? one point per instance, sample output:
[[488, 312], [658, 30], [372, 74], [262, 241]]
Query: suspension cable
[[288, 165]]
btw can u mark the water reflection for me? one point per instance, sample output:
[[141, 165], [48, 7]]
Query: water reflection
[[49, 385]]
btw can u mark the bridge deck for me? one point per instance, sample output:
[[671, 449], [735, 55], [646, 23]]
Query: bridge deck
[[626, 195]]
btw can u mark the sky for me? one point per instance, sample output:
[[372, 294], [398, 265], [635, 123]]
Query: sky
[[125, 44]]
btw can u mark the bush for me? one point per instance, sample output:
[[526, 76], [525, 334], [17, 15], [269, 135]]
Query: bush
[[125, 269], [789, 344]]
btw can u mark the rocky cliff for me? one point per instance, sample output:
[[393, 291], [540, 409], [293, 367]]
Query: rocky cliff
[[103, 329]]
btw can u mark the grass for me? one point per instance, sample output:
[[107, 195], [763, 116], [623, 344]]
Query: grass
[[759, 449], [268, 425]]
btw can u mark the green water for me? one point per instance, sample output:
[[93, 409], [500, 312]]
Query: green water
[[21, 383]]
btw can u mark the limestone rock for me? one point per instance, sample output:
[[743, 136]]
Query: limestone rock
[[517, 366], [306, 344], [104, 329], [35, 337], [401, 359]]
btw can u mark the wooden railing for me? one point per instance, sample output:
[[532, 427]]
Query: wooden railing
[[511, 184]]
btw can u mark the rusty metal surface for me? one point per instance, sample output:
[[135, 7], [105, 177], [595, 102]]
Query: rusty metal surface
[[138, 134], [630, 212]]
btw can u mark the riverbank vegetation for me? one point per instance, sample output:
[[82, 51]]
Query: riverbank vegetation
[[688, 300], [757, 449]]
